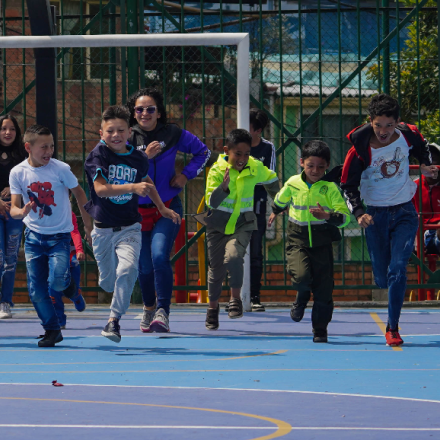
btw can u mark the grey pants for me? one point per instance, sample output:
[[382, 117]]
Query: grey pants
[[225, 254], [117, 256]]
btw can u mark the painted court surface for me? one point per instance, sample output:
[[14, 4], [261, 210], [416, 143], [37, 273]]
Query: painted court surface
[[259, 377]]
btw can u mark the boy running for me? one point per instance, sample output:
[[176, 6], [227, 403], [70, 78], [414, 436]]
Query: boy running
[[376, 171], [117, 176], [316, 211], [43, 183]]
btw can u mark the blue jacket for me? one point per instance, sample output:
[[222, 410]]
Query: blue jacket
[[162, 166]]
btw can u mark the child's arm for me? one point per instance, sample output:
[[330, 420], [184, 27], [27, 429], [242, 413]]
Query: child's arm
[[280, 202], [104, 189], [76, 238], [217, 187], [17, 211], [81, 199], [340, 214], [154, 196]]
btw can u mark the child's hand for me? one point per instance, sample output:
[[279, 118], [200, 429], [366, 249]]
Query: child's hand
[[365, 221], [143, 188], [169, 213], [80, 256], [4, 207], [319, 213], [271, 219], [429, 171], [226, 180], [27, 208]]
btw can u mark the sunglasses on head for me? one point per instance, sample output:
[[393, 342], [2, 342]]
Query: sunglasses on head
[[150, 109]]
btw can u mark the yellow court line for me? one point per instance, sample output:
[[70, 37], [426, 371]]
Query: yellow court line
[[283, 427], [149, 362], [382, 327]]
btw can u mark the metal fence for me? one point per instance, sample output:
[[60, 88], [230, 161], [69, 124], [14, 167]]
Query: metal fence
[[313, 69]]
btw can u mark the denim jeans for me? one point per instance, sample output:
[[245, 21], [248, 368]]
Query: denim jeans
[[117, 257], [57, 297], [390, 243], [47, 264], [155, 271], [10, 238]]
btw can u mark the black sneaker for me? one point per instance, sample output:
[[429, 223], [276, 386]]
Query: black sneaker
[[50, 338], [297, 311], [112, 331], [320, 336], [211, 322], [256, 306]]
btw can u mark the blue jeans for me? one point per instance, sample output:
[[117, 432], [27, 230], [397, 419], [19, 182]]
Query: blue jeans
[[47, 264], [155, 271], [10, 238], [57, 297], [390, 243]]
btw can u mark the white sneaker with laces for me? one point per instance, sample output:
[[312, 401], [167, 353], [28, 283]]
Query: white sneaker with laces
[[5, 311]]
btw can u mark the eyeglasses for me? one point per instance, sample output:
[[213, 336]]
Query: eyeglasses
[[150, 109]]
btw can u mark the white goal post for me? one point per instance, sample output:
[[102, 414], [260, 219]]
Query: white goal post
[[241, 40]]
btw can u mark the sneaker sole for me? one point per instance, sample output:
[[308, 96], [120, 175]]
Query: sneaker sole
[[145, 330], [6, 316], [235, 317], [211, 329], [111, 336], [158, 328], [258, 310]]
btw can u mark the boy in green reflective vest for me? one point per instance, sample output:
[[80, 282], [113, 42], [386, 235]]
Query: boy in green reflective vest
[[231, 219], [316, 211]]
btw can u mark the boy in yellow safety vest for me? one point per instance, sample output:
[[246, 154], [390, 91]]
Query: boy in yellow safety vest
[[316, 211], [231, 218]]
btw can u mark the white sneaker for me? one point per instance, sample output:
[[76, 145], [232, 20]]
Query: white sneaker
[[160, 323], [5, 311]]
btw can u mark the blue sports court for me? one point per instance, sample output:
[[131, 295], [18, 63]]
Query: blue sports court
[[260, 377]]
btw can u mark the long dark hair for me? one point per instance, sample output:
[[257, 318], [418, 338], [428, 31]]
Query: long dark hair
[[152, 92], [17, 147]]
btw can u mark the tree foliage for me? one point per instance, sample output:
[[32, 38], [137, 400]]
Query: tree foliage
[[417, 74]]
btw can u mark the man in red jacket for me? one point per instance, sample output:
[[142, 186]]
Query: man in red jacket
[[430, 204]]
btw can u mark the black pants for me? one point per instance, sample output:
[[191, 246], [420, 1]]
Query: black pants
[[311, 270], [256, 248]]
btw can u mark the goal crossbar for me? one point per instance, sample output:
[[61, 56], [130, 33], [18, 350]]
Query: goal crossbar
[[239, 39]]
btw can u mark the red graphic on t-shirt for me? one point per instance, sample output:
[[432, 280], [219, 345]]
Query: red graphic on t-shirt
[[389, 168], [42, 196]]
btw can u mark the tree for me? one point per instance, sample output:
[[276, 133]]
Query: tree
[[409, 70]]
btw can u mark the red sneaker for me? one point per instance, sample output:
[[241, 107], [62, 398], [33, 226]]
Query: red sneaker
[[393, 338]]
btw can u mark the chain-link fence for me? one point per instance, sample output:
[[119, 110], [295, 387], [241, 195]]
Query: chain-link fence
[[313, 69]]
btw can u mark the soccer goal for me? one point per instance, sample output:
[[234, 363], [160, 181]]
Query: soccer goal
[[241, 40]]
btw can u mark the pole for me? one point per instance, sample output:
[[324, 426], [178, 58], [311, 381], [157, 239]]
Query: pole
[[42, 23]]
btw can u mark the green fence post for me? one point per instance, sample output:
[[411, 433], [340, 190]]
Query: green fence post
[[386, 49], [133, 52]]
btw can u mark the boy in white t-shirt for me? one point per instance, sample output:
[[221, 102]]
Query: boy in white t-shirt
[[43, 183], [376, 170]]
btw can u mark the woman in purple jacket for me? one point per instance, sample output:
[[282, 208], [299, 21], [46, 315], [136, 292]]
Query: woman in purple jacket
[[160, 141]]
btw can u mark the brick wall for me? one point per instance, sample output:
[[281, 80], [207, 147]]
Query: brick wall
[[274, 277]]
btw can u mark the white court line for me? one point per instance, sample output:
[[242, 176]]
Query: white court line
[[320, 393], [293, 428]]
